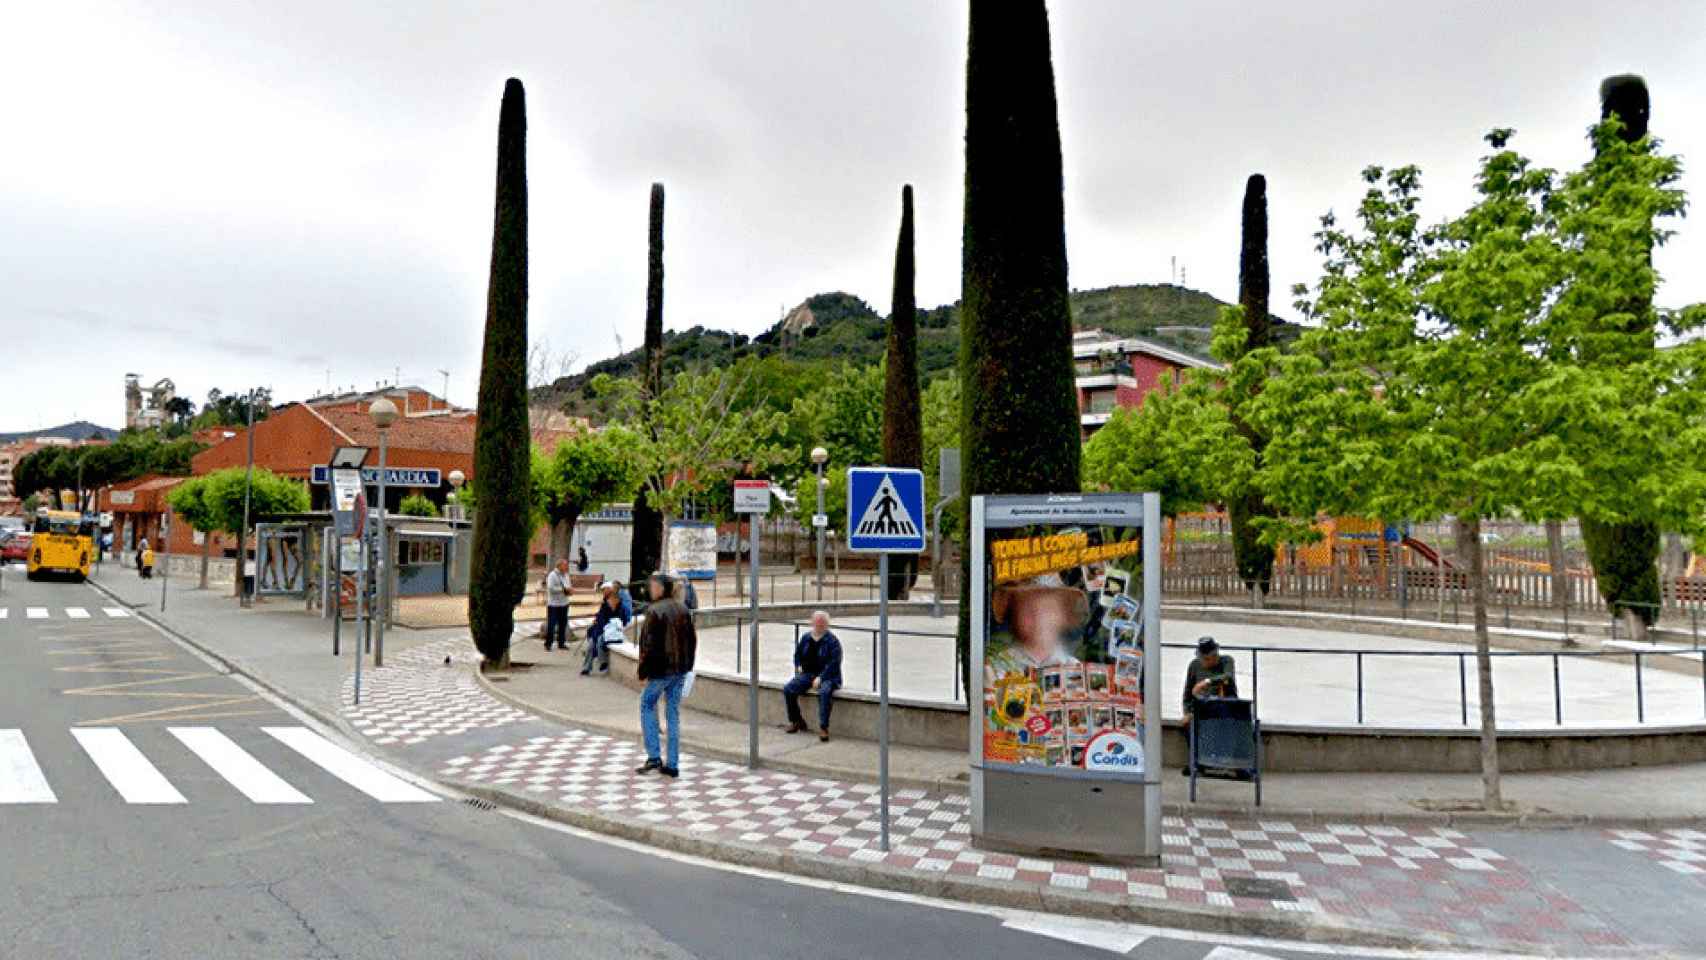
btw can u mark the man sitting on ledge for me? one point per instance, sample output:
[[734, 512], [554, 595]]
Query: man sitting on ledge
[[817, 663]]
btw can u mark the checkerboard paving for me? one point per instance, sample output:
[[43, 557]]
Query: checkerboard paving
[[1435, 879], [417, 696], [1682, 851]]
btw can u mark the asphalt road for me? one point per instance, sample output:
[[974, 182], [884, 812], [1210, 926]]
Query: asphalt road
[[151, 807]]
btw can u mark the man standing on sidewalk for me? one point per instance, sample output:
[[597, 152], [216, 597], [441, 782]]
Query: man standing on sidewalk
[[557, 605], [817, 664], [667, 647]]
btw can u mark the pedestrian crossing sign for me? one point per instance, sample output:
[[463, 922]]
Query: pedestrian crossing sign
[[885, 510]]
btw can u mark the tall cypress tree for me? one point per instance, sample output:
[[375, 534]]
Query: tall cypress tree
[[645, 550], [498, 573], [1625, 555], [1019, 408], [903, 429], [1255, 560]]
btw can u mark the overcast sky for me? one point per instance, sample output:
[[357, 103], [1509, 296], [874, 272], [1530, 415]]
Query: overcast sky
[[300, 193]]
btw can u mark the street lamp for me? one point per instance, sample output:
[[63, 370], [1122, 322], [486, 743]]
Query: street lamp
[[820, 456], [245, 596], [457, 479], [384, 413]]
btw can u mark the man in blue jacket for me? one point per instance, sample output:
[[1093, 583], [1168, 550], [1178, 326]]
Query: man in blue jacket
[[817, 664]]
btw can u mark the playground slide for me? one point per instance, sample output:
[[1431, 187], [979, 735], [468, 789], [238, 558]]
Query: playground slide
[[1426, 552]]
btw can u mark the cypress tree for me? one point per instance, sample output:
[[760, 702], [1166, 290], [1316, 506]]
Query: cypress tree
[[903, 429], [1019, 408], [1625, 555], [498, 573], [645, 550], [1255, 560]]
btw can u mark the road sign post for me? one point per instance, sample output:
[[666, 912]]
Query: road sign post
[[885, 514], [349, 518], [752, 497]]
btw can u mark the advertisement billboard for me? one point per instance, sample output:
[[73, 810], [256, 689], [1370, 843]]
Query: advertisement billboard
[[280, 568], [1065, 634]]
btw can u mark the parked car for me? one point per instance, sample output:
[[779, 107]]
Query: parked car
[[15, 548]]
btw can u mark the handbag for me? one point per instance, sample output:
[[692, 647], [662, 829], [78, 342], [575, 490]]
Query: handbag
[[613, 633]]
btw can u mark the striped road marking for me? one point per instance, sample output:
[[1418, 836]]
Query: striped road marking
[[237, 766], [20, 778], [117, 613], [77, 613], [348, 767], [124, 766], [36, 613], [4, 611]]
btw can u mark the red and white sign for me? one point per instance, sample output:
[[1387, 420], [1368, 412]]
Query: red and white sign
[[752, 496]]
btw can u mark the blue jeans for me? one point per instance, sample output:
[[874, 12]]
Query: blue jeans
[[670, 689], [791, 692]]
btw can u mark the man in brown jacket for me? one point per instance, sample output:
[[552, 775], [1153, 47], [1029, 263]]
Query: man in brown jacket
[[667, 645]]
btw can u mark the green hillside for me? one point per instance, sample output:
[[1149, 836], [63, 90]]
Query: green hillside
[[835, 328]]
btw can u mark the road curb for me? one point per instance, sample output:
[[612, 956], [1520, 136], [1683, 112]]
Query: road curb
[[1478, 820], [1273, 924]]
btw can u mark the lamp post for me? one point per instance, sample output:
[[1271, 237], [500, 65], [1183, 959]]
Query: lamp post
[[384, 413], [820, 456], [245, 597]]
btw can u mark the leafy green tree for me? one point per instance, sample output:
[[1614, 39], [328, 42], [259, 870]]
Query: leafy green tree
[[584, 473], [1021, 432], [498, 575], [834, 497], [1175, 444], [645, 549], [232, 409], [844, 414], [417, 505], [214, 502], [903, 429], [1625, 554], [941, 417], [1246, 507]]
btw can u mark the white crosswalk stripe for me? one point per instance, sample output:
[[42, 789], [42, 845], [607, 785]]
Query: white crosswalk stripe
[[77, 613], [348, 767], [124, 766], [117, 613], [36, 613], [236, 765], [21, 780], [138, 781], [3, 612]]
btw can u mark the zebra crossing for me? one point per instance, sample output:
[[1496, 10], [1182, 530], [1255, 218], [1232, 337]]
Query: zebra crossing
[[138, 780], [68, 613]]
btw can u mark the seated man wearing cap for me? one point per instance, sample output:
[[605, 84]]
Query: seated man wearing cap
[[1211, 674]]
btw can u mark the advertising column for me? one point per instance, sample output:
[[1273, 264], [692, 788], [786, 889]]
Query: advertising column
[[1065, 644]]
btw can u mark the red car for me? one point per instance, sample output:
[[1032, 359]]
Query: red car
[[16, 547]]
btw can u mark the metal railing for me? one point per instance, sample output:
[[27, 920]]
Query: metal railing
[[1463, 672], [839, 629]]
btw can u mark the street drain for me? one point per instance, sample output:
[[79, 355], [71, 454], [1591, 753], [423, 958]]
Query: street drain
[[1258, 888], [479, 804]]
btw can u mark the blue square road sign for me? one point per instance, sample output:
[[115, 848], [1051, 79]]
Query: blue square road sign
[[885, 510]]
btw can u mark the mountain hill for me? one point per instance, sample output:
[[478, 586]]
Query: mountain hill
[[835, 328], [80, 430]]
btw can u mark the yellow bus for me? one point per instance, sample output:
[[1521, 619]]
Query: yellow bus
[[64, 542]]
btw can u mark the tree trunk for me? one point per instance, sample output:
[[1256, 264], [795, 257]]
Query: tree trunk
[[1492, 793], [1560, 572], [206, 554], [561, 527]]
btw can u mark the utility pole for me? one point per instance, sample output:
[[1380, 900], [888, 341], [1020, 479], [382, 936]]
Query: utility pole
[[247, 598]]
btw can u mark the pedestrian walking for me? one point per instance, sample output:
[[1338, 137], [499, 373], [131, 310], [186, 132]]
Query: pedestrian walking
[[667, 646], [143, 545], [598, 638], [147, 560], [557, 590]]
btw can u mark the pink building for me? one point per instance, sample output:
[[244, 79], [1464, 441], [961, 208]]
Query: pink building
[[1116, 372]]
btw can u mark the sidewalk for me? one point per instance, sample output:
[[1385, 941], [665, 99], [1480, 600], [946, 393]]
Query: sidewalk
[[1672, 795], [1349, 879]]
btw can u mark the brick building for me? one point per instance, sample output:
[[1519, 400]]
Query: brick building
[[1115, 372], [12, 500]]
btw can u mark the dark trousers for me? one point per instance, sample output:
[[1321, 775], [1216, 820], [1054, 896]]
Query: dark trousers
[[556, 626], [791, 692]]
